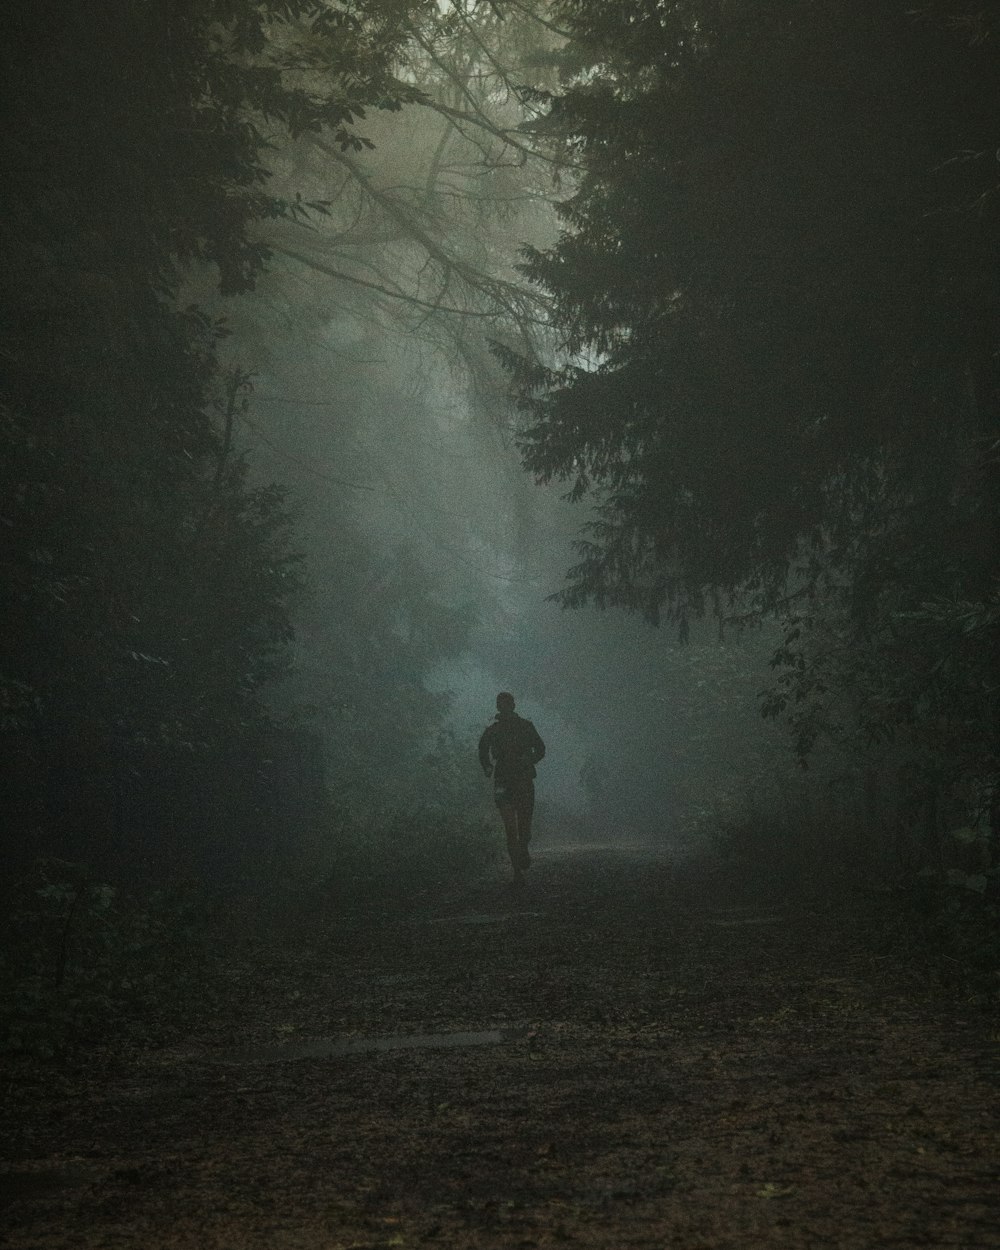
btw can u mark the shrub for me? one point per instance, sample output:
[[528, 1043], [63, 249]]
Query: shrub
[[958, 915], [80, 960]]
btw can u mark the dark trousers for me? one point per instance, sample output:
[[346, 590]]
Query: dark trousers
[[516, 804]]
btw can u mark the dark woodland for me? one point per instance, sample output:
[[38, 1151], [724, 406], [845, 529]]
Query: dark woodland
[[362, 359]]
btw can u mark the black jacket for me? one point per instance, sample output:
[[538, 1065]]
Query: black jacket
[[512, 746]]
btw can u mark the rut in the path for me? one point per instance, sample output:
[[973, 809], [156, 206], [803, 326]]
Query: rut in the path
[[665, 1067]]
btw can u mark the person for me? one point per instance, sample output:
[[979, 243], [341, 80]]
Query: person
[[509, 749]]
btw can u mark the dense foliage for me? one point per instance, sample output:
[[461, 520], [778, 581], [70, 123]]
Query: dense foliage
[[153, 575], [147, 575], [776, 293]]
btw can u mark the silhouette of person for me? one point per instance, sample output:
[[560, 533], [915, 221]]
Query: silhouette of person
[[509, 749]]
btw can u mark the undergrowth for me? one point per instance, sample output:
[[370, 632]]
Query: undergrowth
[[80, 961], [959, 923], [946, 921]]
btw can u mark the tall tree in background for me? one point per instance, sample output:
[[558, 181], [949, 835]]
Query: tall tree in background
[[777, 290]]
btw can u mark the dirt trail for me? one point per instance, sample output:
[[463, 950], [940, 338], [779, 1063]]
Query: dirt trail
[[655, 1065]]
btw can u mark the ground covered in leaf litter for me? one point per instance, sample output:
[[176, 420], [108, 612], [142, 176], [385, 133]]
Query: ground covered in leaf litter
[[652, 1060]]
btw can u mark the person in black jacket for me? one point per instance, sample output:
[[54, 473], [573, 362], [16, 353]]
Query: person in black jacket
[[508, 751]]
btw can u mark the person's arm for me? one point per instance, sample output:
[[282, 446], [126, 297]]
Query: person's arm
[[537, 745], [484, 751]]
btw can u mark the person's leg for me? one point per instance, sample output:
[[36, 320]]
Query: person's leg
[[508, 814], [525, 811]]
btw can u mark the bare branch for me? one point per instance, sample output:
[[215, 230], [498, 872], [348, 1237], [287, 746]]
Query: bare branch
[[312, 263], [516, 301]]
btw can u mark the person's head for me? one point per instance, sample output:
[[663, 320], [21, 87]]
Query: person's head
[[505, 702]]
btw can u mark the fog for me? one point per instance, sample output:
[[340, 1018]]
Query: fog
[[393, 423], [433, 479]]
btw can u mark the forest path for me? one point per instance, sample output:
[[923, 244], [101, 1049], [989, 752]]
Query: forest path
[[652, 1064]]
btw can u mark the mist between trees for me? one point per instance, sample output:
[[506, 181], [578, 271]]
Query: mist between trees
[[295, 294]]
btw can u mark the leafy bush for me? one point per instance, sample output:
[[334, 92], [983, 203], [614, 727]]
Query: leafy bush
[[80, 960], [782, 837], [958, 915], [783, 842]]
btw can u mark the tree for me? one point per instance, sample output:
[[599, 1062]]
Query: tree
[[411, 223], [762, 285], [776, 291], [378, 394], [148, 579]]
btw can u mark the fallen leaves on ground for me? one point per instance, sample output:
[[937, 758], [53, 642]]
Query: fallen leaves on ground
[[663, 1080]]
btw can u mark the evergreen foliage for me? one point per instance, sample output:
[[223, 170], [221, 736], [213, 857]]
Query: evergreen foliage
[[776, 293]]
